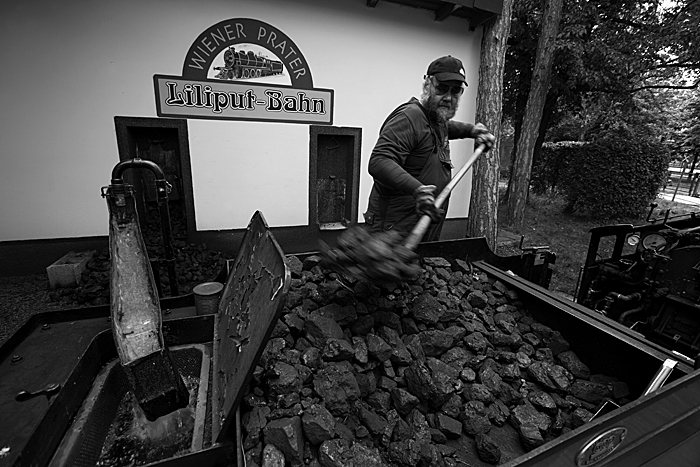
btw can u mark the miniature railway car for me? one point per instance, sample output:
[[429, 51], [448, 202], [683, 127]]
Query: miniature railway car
[[68, 426]]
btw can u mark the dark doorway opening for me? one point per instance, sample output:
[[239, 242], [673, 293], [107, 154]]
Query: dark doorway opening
[[165, 142], [334, 176]]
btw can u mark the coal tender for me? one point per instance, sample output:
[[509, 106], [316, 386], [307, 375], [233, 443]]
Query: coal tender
[[469, 363]]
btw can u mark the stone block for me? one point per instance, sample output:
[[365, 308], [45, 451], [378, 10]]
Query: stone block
[[66, 271]]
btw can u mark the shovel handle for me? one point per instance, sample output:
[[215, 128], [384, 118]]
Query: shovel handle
[[421, 227]]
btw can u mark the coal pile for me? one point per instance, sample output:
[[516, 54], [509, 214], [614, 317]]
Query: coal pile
[[194, 263], [447, 370]]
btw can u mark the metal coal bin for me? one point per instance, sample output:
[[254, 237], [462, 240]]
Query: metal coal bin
[[66, 399]]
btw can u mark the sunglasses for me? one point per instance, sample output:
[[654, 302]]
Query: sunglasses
[[442, 89]]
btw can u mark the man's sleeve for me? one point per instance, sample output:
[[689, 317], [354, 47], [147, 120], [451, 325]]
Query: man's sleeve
[[396, 141], [459, 130]]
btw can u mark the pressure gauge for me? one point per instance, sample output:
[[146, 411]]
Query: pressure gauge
[[654, 242]]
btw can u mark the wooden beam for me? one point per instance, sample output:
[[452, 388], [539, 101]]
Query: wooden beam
[[446, 10], [465, 3], [372, 3], [479, 19], [491, 6]]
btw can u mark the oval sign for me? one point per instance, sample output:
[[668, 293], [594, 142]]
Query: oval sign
[[601, 446]]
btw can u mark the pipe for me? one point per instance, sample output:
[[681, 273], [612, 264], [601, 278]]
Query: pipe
[[661, 376], [136, 163], [612, 297], [627, 313], [625, 298], [162, 190]]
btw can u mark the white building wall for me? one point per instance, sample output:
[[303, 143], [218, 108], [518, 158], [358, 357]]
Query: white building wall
[[70, 67]]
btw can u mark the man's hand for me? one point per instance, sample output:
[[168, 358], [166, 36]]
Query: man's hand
[[425, 202], [481, 135]]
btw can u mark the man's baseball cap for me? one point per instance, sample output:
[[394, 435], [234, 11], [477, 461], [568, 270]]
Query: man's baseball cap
[[447, 68]]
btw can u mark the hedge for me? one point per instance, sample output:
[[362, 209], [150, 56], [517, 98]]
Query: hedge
[[612, 177]]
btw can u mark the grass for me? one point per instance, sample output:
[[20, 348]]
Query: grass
[[568, 235]]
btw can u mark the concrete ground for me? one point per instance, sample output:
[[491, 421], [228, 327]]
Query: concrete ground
[[506, 238]]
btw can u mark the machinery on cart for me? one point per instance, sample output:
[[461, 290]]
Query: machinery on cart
[[647, 277]]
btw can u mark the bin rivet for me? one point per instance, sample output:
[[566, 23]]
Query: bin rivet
[[16, 359], [45, 327]]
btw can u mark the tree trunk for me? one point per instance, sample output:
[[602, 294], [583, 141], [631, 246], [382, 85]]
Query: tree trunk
[[516, 136], [550, 105], [483, 207], [520, 179]]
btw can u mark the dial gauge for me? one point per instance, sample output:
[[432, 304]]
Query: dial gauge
[[654, 241]]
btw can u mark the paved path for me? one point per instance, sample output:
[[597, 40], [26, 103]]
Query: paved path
[[679, 198]]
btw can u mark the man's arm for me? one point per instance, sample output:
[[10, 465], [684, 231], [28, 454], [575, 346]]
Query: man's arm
[[458, 130], [388, 159]]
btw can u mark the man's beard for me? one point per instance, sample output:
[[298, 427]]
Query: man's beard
[[437, 113], [442, 114]]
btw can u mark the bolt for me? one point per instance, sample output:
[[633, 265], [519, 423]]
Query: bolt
[[45, 327], [16, 359]]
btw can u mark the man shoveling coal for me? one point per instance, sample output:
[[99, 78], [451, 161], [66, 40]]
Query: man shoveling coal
[[410, 164]]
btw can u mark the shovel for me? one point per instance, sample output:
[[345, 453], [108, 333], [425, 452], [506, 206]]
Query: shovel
[[381, 257]]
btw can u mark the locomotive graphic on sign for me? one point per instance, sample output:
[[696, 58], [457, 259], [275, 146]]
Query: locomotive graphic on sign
[[245, 65]]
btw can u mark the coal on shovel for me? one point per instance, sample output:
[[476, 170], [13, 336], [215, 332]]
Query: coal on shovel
[[385, 257]]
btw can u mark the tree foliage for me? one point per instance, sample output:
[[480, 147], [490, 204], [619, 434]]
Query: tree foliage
[[612, 46], [613, 58]]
